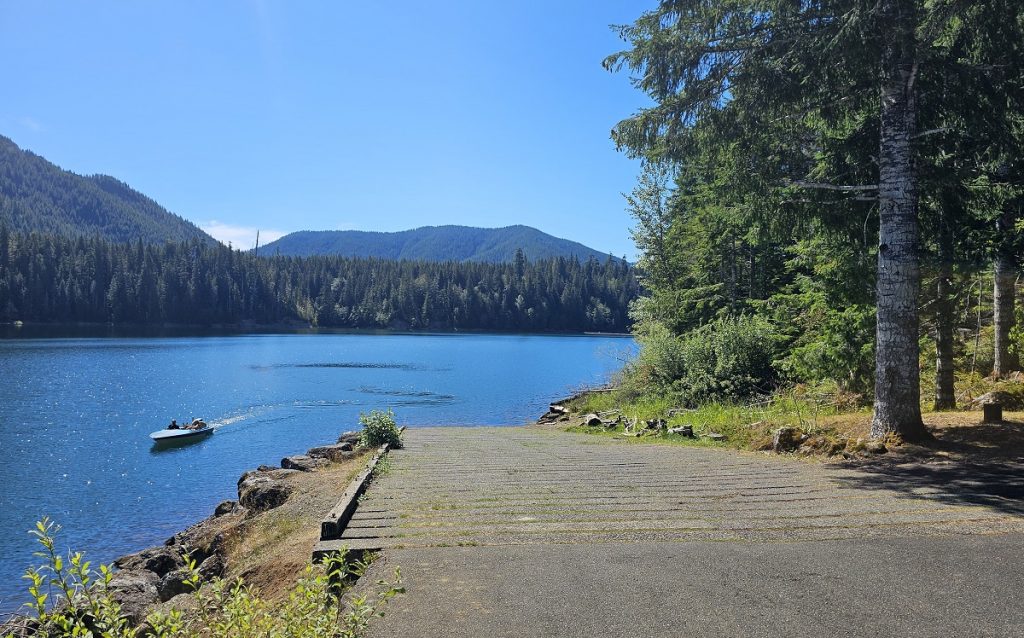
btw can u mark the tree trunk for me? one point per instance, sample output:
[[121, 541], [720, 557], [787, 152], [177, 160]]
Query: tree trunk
[[897, 407], [945, 397], [1003, 298]]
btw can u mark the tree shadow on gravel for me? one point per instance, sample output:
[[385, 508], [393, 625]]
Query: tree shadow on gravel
[[964, 465]]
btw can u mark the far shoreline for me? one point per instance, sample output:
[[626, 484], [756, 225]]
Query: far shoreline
[[58, 330]]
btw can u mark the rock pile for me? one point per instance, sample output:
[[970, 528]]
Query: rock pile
[[684, 431], [261, 490], [1008, 400], [556, 413], [159, 574], [603, 419]]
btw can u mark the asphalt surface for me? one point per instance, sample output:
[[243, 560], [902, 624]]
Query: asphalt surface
[[527, 532]]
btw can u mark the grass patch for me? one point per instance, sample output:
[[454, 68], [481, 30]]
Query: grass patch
[[745, 425], [382, 468], [274, 548], [835, 424]]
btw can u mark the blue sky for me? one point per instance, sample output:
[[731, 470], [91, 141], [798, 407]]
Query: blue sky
[[287, 116]]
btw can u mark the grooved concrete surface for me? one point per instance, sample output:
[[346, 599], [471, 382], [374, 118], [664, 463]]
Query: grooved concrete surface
[[531, 532]]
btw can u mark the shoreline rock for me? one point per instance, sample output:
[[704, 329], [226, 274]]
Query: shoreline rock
[[337, 453], [303, 463], [156, 576]]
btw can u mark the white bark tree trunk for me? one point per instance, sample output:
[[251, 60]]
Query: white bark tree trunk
[[897, 407], [945, 395], [1003, 300]]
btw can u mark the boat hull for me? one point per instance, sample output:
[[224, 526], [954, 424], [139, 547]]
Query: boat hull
[[180, 435]]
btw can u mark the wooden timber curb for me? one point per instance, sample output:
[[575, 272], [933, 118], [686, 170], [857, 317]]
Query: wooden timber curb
[[334, 524]]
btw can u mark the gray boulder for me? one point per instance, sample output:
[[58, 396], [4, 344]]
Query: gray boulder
[[592, 420], [1009, 401], [173, 584], [837, 446], [302, 463], [336, 453], [212, 567], [787, 439], [267, 472], [136, 591], [158, 560], [225, 507], [350, 437], [186, 603], [261, 492]]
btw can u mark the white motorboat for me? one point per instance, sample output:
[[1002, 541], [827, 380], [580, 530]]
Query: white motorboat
[[182, 433]]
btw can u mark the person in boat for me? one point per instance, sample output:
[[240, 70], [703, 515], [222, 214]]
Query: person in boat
[[197, 424], [174, 425]]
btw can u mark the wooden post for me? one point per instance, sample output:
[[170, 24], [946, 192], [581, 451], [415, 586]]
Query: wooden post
[[993, 413]]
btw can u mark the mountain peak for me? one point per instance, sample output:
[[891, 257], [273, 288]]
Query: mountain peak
[[39, 196], [433, 243]]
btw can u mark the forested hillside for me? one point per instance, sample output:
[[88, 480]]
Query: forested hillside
[[828, 187], [38, 196], [434, 243], [57, 279]]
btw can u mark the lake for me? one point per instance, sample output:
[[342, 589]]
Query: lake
[[75, 415]]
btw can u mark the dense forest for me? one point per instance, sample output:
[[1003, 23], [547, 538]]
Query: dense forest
[[38, 196], [832, 194], [434, 243], [49, 278]]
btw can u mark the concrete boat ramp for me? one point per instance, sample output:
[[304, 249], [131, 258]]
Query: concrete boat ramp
[[534, 532]]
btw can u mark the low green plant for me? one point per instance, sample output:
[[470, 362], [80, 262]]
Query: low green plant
[[318, 605], [321, 603], [383, 467], [380, 428], [729, 359], [67, 596]]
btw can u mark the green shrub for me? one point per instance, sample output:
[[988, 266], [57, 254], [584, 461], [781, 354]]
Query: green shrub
[[661, 360], [320, 603], [837, 345], [68, 597], [380, 428], [729, 359]]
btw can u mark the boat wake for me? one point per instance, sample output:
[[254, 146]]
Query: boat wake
[[229, 420]]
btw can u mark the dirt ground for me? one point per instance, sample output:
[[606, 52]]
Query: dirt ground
[[959, 436], [274, 547]]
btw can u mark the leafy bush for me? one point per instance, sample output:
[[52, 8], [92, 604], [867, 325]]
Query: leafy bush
[[728, 359], [380, 428], [68, 597], [725, 360], [837, 345], [318, 605], [661, 360]]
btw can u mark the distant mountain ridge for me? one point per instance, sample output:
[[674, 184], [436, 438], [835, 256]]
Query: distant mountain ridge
[[433, 243], [39, 196]]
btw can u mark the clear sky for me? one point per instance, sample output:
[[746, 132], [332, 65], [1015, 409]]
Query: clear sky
[[367, 115]]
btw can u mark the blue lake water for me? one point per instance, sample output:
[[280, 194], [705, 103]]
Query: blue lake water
[[75, 415]]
